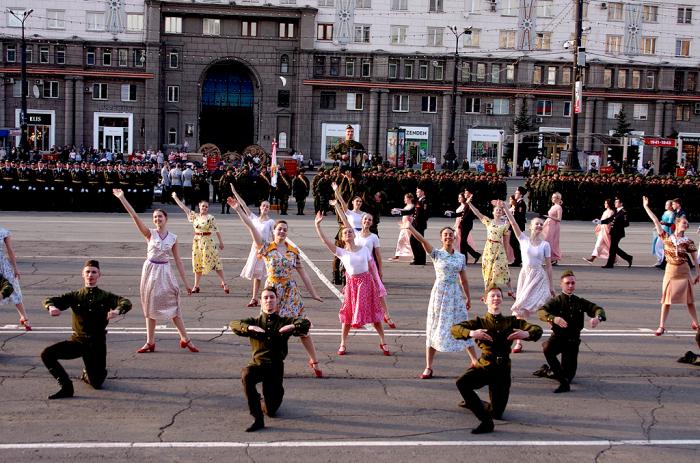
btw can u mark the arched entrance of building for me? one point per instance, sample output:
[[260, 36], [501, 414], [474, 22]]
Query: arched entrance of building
[[227, 116]]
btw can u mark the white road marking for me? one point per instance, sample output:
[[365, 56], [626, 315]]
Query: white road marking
[[356, 443], [319, 273]]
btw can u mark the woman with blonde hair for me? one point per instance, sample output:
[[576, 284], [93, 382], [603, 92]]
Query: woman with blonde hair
[[552, 227]]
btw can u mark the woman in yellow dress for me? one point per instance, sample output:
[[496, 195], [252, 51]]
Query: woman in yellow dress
[[205, 255], [494, 262]]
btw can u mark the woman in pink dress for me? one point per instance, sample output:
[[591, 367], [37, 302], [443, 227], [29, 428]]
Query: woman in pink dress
[[403, 245], [361, 303], [602, 233], [552, 227], [160, 294]]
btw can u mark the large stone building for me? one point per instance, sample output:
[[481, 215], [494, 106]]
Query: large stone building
[[182, 73]]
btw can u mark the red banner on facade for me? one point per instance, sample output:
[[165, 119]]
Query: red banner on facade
[[665, 142]]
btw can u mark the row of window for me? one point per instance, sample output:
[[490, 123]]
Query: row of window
[[50, 89], [334, 68], [13, 52], [650, 12], [647, 45], [94, 20], [212, 27], [120, 57]]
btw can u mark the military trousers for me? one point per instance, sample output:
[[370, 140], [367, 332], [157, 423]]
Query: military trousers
[[94, 354], [271, 376]]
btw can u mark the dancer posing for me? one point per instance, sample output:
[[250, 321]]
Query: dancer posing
[[494, 334], [281, 258], [403, 244], [8, 269], [602, 233], [535, 278], [667, 221], [254, 268], [450, 299], [618, 222], [269, 333], [205, 255], [361, 304], [160, 294], [464, 222], [93, 308], [552, 227], [677, 287]]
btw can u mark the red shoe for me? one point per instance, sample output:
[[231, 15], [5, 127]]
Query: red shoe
[[27, 327], [659, 331], [390, 323], [517, 348], [693, 326], [195, 289], [385, 349], [316, 370], [342, 350], [253, 303], [427, 375], [187, 344], [225, 288], [147, 348]]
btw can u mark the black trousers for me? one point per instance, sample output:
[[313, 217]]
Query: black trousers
[[568, 348], [515, 244], [284, 204], [464, 244], [301, 204], [417, 248], [615, 250], [497, 378], [93, 352], [271, 376]]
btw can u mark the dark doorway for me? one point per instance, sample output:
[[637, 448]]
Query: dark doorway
[[227, 117]]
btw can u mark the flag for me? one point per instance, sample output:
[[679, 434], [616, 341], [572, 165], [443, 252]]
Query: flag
[[273, 165]]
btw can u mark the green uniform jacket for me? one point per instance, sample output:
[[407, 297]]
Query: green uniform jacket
[[570, 308], [90, 307], [499, 327], [6, 288], [269, 347]]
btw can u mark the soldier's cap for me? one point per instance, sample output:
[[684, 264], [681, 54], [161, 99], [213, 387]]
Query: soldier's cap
[[349, 127], [91, 263], [567, 273], [522, 190]]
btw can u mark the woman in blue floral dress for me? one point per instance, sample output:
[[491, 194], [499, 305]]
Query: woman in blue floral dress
[[450, 300], [281, 258]]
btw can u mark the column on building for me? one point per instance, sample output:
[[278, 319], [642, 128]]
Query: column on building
[[600, 115], [384, 108], [519, 102], [3, 122], [80, 114], [445, 125], [659, 132], [373, 121], [589, 106], [68, 113]]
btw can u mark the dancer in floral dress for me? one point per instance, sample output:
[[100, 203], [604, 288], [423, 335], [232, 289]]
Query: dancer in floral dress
[[9, 270], [160, 294], [205, 255], [450, 300], [281, 258]]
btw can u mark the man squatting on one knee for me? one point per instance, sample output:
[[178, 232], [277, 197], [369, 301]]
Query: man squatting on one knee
[[565, 313], [92, 310], [269, 334], [494, 333]]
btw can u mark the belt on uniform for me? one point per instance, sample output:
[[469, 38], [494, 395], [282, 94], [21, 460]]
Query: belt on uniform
[[202, 233], [158, 262]]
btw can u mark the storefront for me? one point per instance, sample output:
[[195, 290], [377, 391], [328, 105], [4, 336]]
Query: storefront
[[41, 129], [485, 146], [417, 143], [332, 134], [689, 149], [552, 142], [113, 132]]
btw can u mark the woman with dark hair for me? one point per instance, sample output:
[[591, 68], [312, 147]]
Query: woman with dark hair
[[205, 255], [677, 286], [602, 233], [450, 300], [160, 294], [464, 222], [281, 258], [403, 244]]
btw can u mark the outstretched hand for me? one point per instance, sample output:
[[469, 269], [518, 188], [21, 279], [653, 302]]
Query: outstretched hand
[[255, 328], [118, 193], [468, 198], [286, 329], [232, 202], [518, 334], [334, 186], [319, 218], [645, 201], [480, 335], [174, 195]]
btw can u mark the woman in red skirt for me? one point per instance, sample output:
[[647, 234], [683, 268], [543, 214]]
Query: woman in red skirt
[[361, 303]]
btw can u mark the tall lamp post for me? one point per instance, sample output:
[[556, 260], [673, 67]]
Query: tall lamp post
[[23, 111], [450, 154], [572, 163]]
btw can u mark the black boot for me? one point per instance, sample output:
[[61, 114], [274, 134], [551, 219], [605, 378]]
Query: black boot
[[484, 427], [563, 387], [257, 424], [63, 381]]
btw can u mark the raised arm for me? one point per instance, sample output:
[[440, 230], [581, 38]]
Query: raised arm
[[330, 245], [182, 205], [416, 234], [240, 200], [137, 221], [657, 224], [338, 197], [254, 233], [473, 208], [340, 212], [511, 219]]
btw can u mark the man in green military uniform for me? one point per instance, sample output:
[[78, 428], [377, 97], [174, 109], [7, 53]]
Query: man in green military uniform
[[92, 310], [565, 313], [269, 334], [348, 152], [494, 333]]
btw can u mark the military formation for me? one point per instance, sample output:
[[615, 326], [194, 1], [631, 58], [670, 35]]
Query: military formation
[[77, 186], [584, 194]]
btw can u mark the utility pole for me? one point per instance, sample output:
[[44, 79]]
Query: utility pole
[[451, 154], [579, 63], [23, 111]]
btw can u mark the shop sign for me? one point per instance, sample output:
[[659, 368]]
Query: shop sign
[[663, 142]]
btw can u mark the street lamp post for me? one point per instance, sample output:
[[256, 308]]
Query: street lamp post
[[23, 111], [572, 163], [450, 154]]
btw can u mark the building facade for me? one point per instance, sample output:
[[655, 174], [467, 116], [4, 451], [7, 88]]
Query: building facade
[[138, 75]]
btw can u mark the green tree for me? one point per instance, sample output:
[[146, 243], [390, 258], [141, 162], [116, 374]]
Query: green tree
[[623, 126], [523, 121]]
